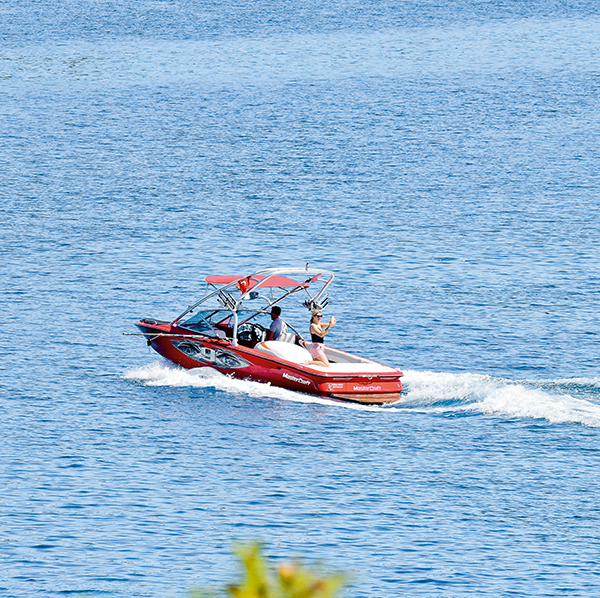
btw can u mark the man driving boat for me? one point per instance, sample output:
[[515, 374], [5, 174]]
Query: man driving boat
[[278, 326]]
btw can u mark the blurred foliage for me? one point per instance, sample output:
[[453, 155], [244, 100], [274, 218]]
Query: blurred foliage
[[289, 580]]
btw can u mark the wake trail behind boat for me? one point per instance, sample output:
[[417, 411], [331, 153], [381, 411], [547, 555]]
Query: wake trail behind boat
[[425, 392], [551, 400]]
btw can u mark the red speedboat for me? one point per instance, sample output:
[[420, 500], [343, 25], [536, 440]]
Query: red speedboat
[[227, 328]]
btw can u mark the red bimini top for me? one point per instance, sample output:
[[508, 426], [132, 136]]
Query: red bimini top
[[247, 283]]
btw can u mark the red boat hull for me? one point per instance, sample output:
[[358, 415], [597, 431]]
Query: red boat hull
[[381, 385]]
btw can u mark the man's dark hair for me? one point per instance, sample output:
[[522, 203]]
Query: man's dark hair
[[276, 310]]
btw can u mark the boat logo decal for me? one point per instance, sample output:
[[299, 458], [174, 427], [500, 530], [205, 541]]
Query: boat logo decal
[[367, 388], [335, 386], [295, 378]]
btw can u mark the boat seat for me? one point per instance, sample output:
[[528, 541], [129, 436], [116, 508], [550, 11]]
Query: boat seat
[[285, 350], [287, 337]]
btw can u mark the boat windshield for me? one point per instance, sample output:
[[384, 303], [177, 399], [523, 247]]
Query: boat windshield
[[208, 321], [263, 318]]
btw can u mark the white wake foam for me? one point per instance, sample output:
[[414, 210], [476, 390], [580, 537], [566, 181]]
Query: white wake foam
[[444, 392], [163, 373], [435, 392]]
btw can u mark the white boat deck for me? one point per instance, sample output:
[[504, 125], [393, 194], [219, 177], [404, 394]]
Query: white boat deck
[[299, 355], [356, 368]]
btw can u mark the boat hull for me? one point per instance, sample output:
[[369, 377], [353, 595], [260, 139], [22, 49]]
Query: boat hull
[[373, 385]]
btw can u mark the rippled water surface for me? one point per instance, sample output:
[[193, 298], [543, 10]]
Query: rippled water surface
[[441, 157]]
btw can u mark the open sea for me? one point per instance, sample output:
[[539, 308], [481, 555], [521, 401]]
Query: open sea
[[441, 156]]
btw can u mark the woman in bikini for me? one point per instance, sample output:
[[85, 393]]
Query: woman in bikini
[[317, 332]]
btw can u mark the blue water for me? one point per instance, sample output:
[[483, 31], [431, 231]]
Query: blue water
[[441, 157]]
